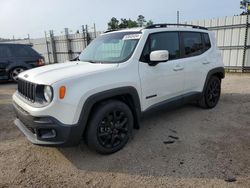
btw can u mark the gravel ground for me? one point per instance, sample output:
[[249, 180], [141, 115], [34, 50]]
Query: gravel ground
[[209, 146]]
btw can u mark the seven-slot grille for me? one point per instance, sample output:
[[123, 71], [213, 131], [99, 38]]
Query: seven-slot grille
[[27, 90]]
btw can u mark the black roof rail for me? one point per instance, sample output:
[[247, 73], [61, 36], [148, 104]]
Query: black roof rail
[[169, 24]]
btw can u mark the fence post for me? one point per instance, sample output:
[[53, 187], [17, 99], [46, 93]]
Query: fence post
[[53, 46], [95, 29], [84, 37], [47, 46], [69, 51], [29, 39], [87, 35], [245, 43]]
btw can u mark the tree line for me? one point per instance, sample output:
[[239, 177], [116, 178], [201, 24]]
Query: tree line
[[245, 5], [115, 24]]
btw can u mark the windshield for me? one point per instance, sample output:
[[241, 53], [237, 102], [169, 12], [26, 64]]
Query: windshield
[[111, 48]]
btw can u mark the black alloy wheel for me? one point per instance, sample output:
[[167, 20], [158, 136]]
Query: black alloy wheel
[[110, 127], [211, 94], [113, 129]]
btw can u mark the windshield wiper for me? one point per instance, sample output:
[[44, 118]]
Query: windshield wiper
[[85, 60], [75, 59], [91, 61]]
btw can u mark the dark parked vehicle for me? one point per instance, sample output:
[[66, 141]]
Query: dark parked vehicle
[[16, 58]]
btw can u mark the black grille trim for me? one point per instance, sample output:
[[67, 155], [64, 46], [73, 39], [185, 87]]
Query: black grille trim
[[27, 90]]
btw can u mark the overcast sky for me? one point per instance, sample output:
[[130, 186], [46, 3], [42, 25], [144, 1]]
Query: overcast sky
[[20, 17]]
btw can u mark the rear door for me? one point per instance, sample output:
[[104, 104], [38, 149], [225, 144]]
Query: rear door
[[165, 80], [195, 60]]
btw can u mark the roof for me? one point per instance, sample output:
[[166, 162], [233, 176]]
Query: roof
[[163, 26], [135, 29]]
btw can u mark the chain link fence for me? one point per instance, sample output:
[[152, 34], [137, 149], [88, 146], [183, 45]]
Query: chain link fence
[[232, 33], [58, 49]]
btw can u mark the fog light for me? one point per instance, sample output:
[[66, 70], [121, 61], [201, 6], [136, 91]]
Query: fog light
[[46, 133]]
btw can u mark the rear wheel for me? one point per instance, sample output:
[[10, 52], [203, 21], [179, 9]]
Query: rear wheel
[[110, 127], [212, 92], [15, 72]]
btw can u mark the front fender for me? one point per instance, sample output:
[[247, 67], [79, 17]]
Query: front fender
[[112, 93]]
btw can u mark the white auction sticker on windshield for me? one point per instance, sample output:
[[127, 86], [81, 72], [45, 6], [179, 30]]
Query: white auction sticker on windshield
[[132, 37]]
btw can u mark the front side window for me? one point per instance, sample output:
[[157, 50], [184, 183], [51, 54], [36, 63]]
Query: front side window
[[162, 41], [111, 48], [193, 44]]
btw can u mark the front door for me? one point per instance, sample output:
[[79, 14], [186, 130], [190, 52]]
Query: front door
[[165, 80]]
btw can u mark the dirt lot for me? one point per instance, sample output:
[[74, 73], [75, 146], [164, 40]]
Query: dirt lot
[[213, 145]]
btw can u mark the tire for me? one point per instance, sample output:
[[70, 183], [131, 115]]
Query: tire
[[211, 94], [14, 73], [110, 127]]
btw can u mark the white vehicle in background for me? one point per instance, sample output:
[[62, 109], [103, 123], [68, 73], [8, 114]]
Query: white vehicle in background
[[119, 77]]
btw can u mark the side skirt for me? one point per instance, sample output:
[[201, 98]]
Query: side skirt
[[172, 103]]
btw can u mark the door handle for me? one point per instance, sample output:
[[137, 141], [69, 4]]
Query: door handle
[[178, 68], [206, 62]]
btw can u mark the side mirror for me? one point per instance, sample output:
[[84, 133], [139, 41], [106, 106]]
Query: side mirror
[[159, 56]]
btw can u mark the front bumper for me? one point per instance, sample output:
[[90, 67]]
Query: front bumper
[[46, 130]]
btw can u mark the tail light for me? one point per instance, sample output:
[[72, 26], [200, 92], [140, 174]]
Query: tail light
[[40, 62]]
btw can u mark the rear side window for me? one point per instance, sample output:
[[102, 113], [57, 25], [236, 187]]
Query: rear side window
[[162, 41], [23, 51], [192, 43], [4, 52], [207, 42]]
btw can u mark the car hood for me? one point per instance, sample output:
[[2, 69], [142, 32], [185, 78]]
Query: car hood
[[50, 74]]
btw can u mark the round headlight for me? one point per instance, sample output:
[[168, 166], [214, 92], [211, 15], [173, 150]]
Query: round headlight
[[48, 94]]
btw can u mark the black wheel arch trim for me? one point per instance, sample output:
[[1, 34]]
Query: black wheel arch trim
[[111, 94], [220, 71]]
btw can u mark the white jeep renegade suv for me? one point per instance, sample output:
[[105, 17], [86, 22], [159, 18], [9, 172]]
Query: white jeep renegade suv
[[119, 77]]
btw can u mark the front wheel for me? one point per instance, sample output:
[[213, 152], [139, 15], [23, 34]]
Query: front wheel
[[110, 127], [15, 72], [211, 94]]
